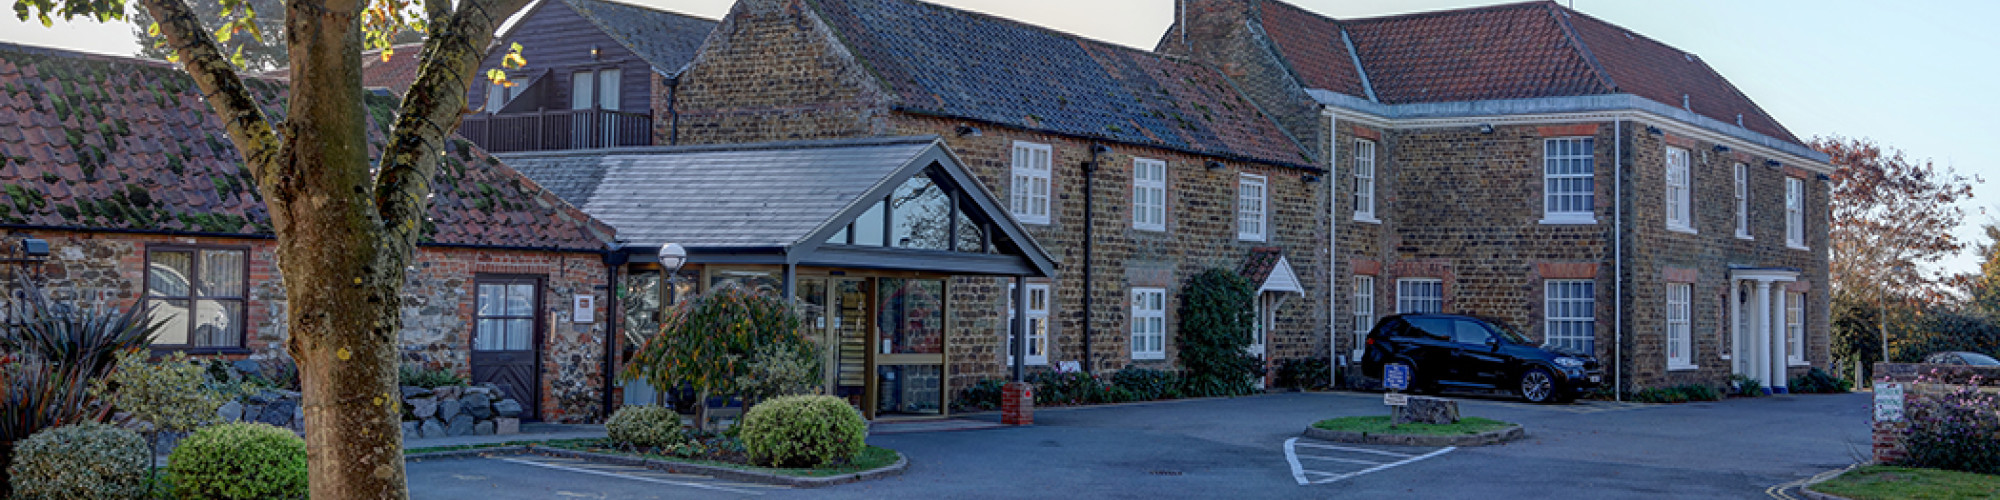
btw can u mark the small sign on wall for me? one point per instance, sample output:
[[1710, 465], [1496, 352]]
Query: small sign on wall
[[586, 309], [1888, 402]]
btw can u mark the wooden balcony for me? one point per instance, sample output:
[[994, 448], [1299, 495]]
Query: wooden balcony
[[558, 130]]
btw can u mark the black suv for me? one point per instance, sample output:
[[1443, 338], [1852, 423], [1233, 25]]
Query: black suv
[[1450, 350]]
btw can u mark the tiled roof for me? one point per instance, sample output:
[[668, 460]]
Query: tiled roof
[[666, 40], [394, 74], [1511, 51], [1258, 265], [941, 61], [110, 143]]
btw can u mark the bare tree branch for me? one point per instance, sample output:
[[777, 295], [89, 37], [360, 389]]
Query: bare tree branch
[[203, 60]]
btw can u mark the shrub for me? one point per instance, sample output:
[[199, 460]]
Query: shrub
[[645, 426], [803, 431], [1215, 321], [89, 460], [1677, 394], [1746, 386], [53, 351], [709, 340], [1305, 373], [1147, 384], [1066, 388], [240, 460], [1955, 430], [174, 394], [784, 369], [981, 395], [428, 378], [1819, 382]]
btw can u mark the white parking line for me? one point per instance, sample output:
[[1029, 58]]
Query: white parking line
[[1405, 461], [1299, 472], [1361, 450], [1337, 459], [623, 476]]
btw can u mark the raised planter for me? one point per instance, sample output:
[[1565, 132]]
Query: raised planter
[[1510, 433], [749, 475]]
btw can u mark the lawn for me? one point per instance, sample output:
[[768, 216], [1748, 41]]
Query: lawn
[[1885, 482], [1380, 425]]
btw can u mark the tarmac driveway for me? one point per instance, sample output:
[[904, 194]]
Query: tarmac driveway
[[1237, 448]]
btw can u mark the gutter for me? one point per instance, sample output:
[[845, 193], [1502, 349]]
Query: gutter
[[1216, 154]]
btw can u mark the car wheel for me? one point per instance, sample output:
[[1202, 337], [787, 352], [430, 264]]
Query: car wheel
[[1417, 384], [1538, 386]]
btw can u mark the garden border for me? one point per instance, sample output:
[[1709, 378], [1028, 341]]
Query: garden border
[[1511, 433], [902, 464]]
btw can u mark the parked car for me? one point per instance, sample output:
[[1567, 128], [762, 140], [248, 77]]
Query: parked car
[[1960, 358], [1457, 351]]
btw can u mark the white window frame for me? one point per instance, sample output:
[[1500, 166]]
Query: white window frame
[[1795, 213], [1564, 314], [1364, 311], [1149, 323], [1743, 202], [1561, 184], [1680, 332], [1679, 190], [1411, 296], [1364, 181], [1253, 195], [1149, 194], [1795, 328], [1038, 324], [1029, 194]]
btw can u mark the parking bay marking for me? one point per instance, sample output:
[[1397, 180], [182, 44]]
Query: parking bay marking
[[626, 476], [1299, 472]]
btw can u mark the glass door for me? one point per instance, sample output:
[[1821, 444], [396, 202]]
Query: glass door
[[909, 347], [850, 329]]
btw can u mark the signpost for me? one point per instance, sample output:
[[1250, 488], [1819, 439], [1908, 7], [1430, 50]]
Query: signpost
[[1395, 377], [1888, 402]]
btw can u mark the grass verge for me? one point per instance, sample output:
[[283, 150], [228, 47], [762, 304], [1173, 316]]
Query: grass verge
[[1379, 424], [870, 458], [462, 447], [1886, 482]]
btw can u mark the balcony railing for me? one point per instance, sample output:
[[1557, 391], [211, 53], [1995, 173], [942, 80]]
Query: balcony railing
[[558, 130]]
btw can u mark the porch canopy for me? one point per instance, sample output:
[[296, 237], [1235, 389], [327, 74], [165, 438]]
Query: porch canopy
[[892, 203]]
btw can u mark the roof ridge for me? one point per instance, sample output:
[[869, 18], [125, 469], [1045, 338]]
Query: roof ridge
[[887, 140], [1448, 12], [646, 7], [1561, 16], [78, 54]]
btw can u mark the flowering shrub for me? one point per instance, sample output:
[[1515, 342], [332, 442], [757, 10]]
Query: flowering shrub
[[1956, 430], [87, 460]]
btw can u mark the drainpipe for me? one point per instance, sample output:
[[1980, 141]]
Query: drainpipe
[[1089, 240], [1618, 259], [1333, 358], [614, 258], [673, 112]]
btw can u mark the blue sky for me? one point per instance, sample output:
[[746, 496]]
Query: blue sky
[[1907, 74]]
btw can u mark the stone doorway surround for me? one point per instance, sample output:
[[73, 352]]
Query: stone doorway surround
[[1757, 347]]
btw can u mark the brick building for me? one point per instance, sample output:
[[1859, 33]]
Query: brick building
[[1593, 187], [118, 165], [1136, 170]]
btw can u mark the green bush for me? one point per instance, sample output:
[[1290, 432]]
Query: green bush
[[803, 431], [428, 378], [1304, 373], [175, 394], [981, 395], [1819, 382], [1746, 386], [708, 341], [1677, 394], [240, 460], [781, 369], [645, 426], [1147, 384], [1066, 388], [1215, 321], [89, 460], [1953, 428]]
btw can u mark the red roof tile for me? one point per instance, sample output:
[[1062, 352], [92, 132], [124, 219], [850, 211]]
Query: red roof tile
[[1313, 48], [395, 74], [127, 144]]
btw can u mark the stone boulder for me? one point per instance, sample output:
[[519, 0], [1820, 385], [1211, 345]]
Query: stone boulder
[[279, 413], [230, 412], [506, 425], [446, 393], [460, 425], [450, 408], [412, 430], [412, 392], [478, 405], [432, 428], [424, 407], [483, 428], [507, 408], [248, 368], [1425, 410]]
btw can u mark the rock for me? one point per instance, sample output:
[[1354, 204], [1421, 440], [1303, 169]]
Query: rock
[[446, 393], [412, 430], [424, 407], [299, 417], [478, 405], [279, 413], [230, 412], [413, 392], [481, 390], [265, 397], [251, 412], [507, 408], [450, 408], [460, 426], [483, 428], [1427, 410], [506, 425], [432, 428], [248, 367]]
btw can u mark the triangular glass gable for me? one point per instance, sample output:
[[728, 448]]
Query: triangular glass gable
[[925, 212]]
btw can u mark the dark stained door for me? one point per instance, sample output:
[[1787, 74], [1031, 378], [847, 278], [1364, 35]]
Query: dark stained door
[[506, 337]]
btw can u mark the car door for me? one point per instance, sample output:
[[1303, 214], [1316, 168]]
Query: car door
[[1429, 344], [1476, 355]]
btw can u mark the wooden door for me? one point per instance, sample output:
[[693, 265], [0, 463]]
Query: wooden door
[[506, 337]]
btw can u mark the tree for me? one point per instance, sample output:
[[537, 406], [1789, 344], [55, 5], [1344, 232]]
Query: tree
[[712, 341], [1215, 323], [259, 53], [346, 233], [1983, 290], [1892, 218]]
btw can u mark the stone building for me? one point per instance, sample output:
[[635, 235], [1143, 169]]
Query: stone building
[[118, 165], [1593, 187], [1135, 170]]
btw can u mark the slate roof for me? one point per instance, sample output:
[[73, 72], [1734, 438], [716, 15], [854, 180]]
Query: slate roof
[[941, 61], [666, 40], [1510, 51], [109, 143], [732, 196]]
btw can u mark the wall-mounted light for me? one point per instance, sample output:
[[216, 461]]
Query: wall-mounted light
[[1822, 177], [1721, 148], [672, 257], [1485, 128], [35, 247], [964, 130], [1773, 164], [1653, 130], [1099, 149], [1214, 165], [594, 52], [1309, 179]]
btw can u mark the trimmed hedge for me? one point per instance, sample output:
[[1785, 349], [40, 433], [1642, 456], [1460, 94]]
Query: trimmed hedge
[[1677, 394], [240, 460], [645, 426], [83, 461], [803, 431]]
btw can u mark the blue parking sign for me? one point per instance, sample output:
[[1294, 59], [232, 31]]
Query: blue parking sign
[[1396, 377]]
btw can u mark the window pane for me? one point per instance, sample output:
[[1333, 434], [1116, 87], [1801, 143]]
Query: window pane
[[486, 335], [172, 316], [520, 333], [969, 237], [489, 299], [921, 210], [868, 230], [168, 274], [520, 300], [221, 273], [217, 323]]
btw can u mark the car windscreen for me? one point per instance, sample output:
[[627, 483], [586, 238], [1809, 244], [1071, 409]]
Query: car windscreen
[[1977, 359], [1507, 332]]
